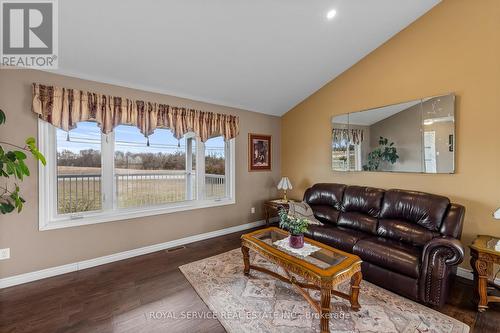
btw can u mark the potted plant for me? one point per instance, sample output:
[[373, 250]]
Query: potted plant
[[12, 166], [296, 227], [385, 152]]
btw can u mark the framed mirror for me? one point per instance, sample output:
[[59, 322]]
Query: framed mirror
[[414, 136]]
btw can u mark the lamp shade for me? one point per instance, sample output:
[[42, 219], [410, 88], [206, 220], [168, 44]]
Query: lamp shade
[[284, 184], [496, 214]]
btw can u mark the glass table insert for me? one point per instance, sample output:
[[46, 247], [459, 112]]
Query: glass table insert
[[323, 258]]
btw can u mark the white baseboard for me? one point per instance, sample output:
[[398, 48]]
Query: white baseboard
[[467, 274], [58, 270]]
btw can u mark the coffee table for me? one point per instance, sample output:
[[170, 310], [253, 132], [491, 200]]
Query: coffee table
[[322, 270]]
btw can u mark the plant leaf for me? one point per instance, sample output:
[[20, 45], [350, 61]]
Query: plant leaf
[[6, 207], [20, 155], [30, 141]]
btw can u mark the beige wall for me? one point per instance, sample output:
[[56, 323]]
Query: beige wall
[[453, 48], [33, 250]]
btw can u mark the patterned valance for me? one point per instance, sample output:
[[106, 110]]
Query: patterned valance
[[64, 108], [352, 135]]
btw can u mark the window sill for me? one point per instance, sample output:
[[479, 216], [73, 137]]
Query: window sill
[[126, 214]]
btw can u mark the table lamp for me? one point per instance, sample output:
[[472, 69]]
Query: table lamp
[[284, 185], [496, 214]]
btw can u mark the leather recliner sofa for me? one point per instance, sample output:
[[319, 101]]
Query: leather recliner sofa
[[408, 241]]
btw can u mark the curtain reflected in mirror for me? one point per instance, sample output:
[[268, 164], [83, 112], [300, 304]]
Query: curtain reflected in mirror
[[415, 136]]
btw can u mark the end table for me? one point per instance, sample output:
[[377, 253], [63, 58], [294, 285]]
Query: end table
[[484, 254], [273, 206]]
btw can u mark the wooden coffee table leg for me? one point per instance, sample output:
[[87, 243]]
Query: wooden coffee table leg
[[325, 309], [355, 281], [246, 260]]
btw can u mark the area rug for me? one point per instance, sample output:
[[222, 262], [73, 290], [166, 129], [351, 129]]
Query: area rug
[[259, 303]]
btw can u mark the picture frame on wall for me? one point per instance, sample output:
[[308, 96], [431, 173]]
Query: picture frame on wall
[[259, 152]]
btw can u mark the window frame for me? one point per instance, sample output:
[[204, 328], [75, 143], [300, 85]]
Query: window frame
[[49, 219]]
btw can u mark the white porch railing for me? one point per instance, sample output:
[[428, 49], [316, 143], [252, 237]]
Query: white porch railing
[[82, 192]]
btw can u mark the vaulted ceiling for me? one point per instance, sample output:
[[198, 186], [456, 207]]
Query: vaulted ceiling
[[259, 55]]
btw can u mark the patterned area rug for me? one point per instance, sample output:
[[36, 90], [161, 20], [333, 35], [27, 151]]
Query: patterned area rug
[[260, 303]]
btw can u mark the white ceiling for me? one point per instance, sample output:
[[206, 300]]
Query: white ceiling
[[260, 55], [372, 116]]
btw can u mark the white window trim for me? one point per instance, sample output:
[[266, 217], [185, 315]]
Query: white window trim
[[47, 193]]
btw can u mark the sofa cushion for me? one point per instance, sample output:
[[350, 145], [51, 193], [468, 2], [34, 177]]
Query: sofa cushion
[[362, 199], [391, 280], [326, 213], [337, 237], [309, 232], [405, 231], [325, 194], [453, 221], [360, 208], [358, 221], [390, 254], [426, 210]]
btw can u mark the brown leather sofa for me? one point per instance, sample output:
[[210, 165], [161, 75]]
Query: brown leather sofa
[[408, 241]]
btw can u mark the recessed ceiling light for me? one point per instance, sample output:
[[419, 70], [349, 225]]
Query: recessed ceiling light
[[331, 14]]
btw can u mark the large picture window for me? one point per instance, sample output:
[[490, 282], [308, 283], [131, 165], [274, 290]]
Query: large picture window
[[92, 178]]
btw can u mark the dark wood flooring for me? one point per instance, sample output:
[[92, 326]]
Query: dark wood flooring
[[120, 296]]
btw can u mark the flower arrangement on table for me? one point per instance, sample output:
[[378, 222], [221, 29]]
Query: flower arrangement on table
[[296, 226]]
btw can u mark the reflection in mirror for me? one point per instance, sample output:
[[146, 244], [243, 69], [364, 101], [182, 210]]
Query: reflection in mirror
[[416, 136], [438, 120], [344, 150]]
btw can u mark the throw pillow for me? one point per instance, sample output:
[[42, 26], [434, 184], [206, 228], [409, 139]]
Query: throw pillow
[[302, 210]]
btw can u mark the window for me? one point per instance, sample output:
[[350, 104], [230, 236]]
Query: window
[[92, 178], [151, 174], [79, 169], [215, 168]]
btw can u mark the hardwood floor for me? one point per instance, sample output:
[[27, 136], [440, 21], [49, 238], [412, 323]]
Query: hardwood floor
[[120, 297]]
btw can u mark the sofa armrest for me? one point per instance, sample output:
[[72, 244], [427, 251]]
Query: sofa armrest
[[449, 248], [439, 259]]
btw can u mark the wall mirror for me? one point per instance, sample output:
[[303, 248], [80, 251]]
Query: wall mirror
[[415, 136]]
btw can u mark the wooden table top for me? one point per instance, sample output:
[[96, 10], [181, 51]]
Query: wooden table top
[[279, 202], [485, 243]]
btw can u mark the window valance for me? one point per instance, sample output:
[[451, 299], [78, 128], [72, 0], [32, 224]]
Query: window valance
[[353, 136], [64, 108]]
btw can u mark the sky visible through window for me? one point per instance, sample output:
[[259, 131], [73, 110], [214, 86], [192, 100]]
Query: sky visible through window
[[129, 138]]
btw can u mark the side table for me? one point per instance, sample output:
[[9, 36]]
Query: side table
[[484, 254], [272, 206]]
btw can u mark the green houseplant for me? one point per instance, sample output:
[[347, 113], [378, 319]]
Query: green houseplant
[[12, 166], [385, 152], [296, 227]]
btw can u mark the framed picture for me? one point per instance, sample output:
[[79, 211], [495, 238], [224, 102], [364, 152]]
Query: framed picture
[[259, 152]]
